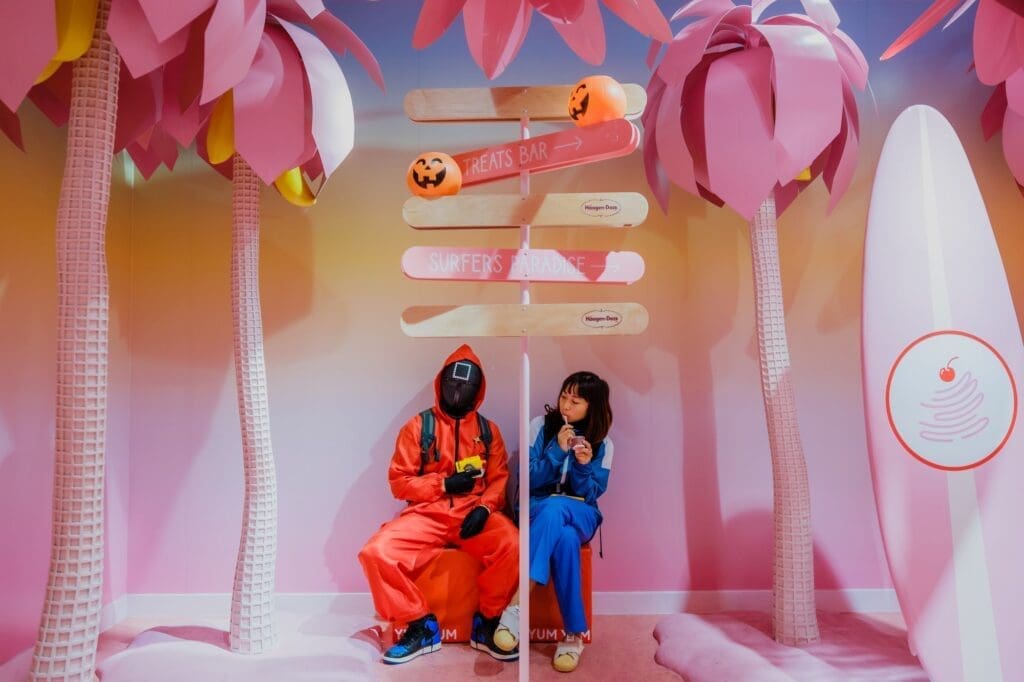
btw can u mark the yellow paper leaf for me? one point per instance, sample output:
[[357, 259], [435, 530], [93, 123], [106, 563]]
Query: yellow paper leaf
[[76, 20], [294, 189], [220, 136]]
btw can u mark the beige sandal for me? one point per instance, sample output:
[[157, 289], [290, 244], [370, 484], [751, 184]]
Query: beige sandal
[[567, 653], [506, 635]]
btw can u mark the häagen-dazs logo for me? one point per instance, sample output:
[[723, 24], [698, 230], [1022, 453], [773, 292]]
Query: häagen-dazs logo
[[600, 208], [601, 318]]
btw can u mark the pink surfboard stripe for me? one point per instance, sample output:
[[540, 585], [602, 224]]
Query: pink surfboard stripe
[[519, 265], [549, 152]]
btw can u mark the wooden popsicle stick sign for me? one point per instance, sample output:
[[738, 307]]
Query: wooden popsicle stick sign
[[535, 319], [605, 209], [570, 147], [549, 152], [539, 103], [522, 265]]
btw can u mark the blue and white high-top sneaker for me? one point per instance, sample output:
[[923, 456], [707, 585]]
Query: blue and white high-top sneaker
[[423, 636]]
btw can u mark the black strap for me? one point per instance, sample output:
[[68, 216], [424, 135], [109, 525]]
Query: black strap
[[427, 438], [485, 433]]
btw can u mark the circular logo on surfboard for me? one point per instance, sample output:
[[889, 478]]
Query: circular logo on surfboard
[[951, 400]]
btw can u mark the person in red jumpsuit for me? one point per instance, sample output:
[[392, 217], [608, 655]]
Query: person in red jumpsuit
[[445, 507]]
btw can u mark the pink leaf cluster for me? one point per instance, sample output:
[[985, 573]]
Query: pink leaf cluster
[[28, 39], [739, 106], [292, 105], [495, 29], [998, 61]]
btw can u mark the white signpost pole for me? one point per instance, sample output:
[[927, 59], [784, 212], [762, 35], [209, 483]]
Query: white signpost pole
[[524, 441]]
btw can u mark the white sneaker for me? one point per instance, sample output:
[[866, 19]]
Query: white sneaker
[[506, 635], [567, 653]]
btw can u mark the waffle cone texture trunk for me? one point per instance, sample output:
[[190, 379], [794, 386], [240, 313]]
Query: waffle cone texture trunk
[[69, 628], [794, 617], [253, 620]]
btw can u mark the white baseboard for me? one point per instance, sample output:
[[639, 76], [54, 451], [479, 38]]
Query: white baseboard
[[218, 605], [331, 602], [114, 612], [160, 605], [714, 601]]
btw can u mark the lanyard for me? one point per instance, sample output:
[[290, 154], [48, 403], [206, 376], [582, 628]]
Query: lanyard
[[565, 472]]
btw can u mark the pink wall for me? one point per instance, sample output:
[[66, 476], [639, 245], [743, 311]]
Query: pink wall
[[690, 496], [693, 462], [28, 294]]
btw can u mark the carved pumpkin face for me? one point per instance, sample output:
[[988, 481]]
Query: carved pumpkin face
[[434, 174], [596, 99]]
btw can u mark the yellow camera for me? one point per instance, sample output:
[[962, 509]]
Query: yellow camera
[[473, 463]]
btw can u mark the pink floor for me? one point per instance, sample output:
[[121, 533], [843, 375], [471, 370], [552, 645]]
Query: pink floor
[[331, 646], [623, 649], [738, 646], [334, 646]]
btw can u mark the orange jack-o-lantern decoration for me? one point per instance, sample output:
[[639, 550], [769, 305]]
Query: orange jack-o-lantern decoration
[[596, 99], [434, 174]]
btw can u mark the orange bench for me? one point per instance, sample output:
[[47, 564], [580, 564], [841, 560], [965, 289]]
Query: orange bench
[[545, 618], [449, 585]]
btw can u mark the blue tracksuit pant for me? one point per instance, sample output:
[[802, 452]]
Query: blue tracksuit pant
[[558, 526]]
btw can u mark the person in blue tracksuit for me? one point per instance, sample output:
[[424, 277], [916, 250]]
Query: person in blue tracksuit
[[570, 459]]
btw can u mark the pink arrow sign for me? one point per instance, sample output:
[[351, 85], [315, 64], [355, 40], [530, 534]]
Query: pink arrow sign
[[549, 152], [522, 265]]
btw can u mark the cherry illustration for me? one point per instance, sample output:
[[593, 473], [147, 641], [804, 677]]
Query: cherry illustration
[[947, 373]]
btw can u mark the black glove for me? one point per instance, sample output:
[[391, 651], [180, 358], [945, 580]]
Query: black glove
[[474, 522], [460, 483]]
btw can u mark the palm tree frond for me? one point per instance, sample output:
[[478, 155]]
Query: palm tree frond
[[924, 23], [28, 41], [229, 45], [11, 126]]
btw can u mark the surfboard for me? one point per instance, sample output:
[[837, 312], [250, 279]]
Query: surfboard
[[538, 102], [583, 209], [942, 365]]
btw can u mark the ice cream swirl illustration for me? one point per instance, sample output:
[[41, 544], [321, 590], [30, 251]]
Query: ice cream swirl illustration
[[955, 409], [951, 400]]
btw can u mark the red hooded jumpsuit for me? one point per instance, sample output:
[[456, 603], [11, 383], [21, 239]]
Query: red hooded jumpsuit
[[394, 555]]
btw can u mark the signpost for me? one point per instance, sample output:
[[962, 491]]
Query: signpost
[[522, 265], [602, 209], [536, 102], [563, 148], [534, 319], [525, 265]]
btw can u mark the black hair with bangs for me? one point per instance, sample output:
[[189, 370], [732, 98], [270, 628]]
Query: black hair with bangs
[[595, 425]]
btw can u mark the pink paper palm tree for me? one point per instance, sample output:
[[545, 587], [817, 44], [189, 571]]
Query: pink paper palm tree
[[998, 61], [322, 140], [69, 627], [273, 100], [167, 95], [282, 113], [495, 29], [747, 112]]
